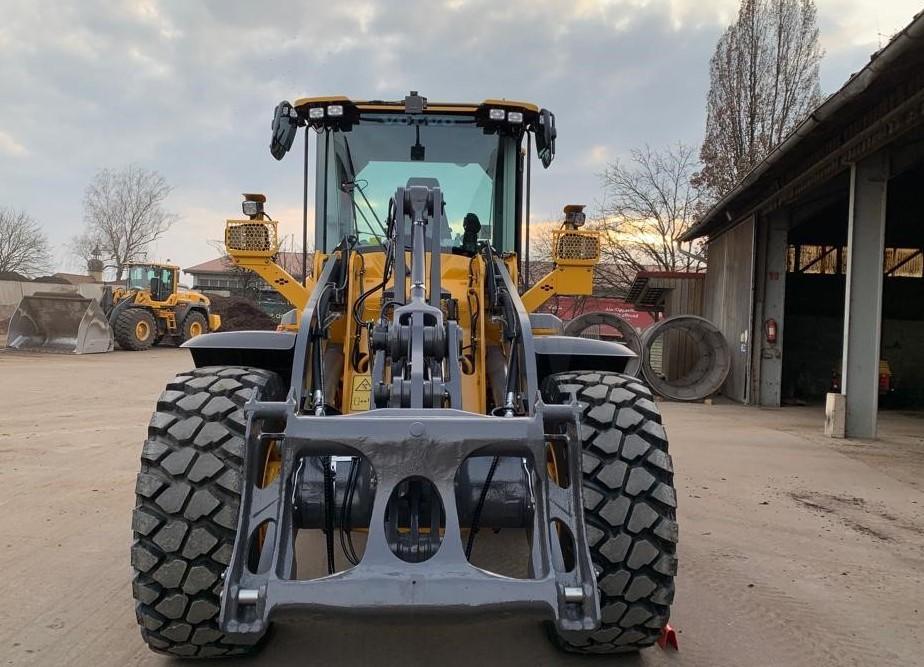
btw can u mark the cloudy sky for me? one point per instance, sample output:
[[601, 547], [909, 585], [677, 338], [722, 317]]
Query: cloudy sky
[[188, 88]]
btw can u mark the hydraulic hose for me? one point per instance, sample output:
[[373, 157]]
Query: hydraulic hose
[[329, 513]]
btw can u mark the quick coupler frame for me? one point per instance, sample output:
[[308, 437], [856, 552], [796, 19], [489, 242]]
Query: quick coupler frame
[[400, 443]]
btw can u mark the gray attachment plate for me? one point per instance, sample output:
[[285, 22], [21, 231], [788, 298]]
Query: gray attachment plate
[[399, 443]]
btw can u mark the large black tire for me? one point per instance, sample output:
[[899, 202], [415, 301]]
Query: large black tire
[[186, 510], [135, 329], [629, 509], [194, 324]]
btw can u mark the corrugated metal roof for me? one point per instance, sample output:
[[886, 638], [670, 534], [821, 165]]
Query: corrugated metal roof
[[649, 288]]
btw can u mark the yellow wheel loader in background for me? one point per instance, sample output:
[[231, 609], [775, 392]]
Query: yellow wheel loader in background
[[146, 309], [150, 308], [416, 400]]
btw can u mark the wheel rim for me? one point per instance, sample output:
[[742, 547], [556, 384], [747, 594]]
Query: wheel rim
[[142, 330], [551, 464], [272, 466], [195, 329]]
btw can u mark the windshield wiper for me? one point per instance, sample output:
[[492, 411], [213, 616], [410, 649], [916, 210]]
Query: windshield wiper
[[349, 187]]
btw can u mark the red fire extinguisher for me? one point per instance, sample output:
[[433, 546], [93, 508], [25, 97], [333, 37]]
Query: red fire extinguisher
[[770, 331]]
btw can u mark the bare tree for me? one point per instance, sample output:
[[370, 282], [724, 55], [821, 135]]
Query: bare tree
[[24, 248], [763, 82], [82, 248], [649, 202], [290, 258], [124, 214]]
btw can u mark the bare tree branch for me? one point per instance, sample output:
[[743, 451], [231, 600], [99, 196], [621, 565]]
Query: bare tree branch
[[764, 82], [24, 248], [81, 250], [124, 215], [649, 202]]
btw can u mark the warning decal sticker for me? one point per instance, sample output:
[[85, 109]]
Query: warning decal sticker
[[362, 389]]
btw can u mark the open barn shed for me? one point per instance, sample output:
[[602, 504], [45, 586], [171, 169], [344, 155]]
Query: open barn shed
[[815, 270]]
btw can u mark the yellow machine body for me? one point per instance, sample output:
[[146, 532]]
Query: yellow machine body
[[166, 304], [253, 244], [416, 393], [67, 322]]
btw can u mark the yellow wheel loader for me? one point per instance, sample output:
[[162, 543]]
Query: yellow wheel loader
[[150, 308], [145, 310], [413, 401]]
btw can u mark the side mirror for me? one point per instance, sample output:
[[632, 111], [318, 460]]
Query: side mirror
[[545, 137], [285, 125]]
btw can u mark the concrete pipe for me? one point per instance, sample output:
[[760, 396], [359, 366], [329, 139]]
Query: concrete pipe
[[582, 326], [692, 361]]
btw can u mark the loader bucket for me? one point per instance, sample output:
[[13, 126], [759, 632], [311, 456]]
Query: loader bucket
[[60, 322]]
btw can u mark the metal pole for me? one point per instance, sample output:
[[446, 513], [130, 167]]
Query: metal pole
[[305, 213], [326, 172], [529, 151]]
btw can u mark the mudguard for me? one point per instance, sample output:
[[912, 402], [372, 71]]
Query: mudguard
[[559, 354], [271, 350]]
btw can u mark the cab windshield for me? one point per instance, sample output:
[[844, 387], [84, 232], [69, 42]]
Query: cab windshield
[[140, 277], [365, 165]]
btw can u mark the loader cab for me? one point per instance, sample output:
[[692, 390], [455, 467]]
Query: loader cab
[[159, 279], [474, 153]]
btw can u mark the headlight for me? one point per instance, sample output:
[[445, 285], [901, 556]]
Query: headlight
[[335, 110], [251, 208], [496, 114], [575, 219], [515, 117], [314, 113]]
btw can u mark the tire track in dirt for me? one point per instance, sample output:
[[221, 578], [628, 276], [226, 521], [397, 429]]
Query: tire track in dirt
[[800, 632], [869, 519]]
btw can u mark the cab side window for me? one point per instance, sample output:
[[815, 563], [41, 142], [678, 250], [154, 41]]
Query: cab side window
[[166, 282]]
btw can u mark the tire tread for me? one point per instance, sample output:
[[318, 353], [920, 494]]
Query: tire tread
[[185, 517], [123, 329], [629, 509]]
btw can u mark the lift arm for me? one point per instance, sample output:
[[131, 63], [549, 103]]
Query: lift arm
[[573, 281], [254, 245], [575, 254]]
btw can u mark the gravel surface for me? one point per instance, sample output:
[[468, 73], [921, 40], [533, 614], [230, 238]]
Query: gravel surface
[[794, 550]]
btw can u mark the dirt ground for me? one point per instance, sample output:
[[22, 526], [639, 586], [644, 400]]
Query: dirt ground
[[794, 549]]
